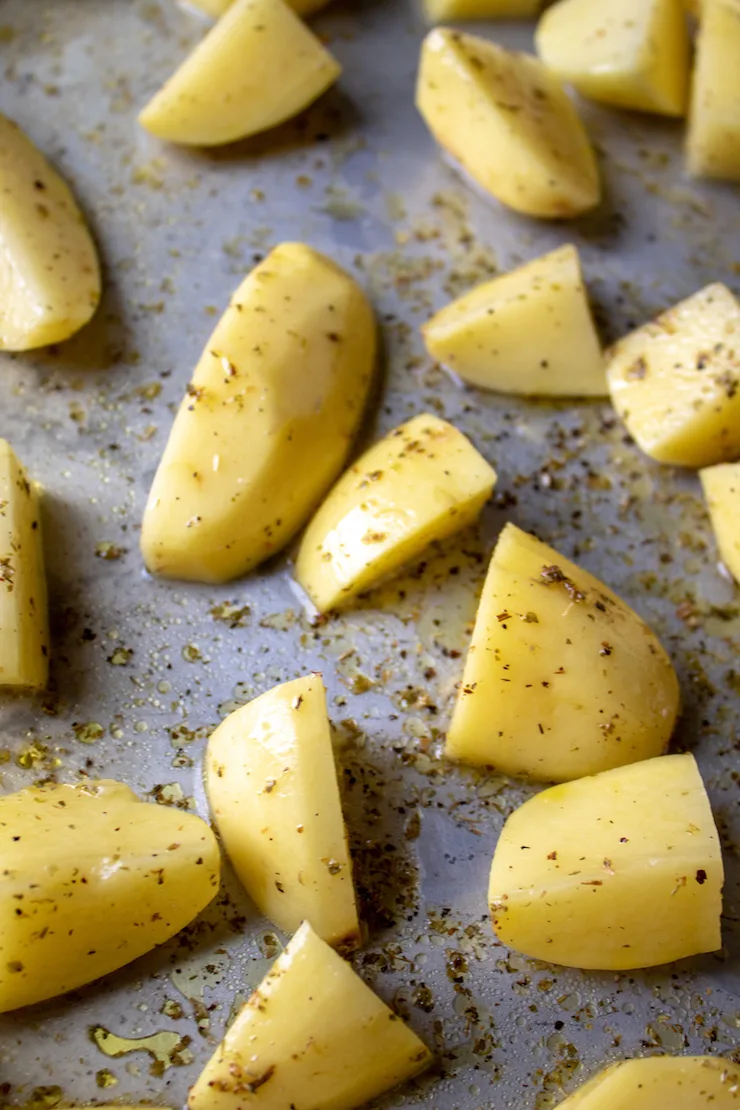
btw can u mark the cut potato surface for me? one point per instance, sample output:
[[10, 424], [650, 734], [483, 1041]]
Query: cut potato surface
[[618, 871], [509, 123], [90, 879], [661, 1083], [49, 271], [629, 53], [273, 792], [312, 1035], [216, 8], [257, 67], [676, 381], [527, 332], [523, 705], [722, 491], [267, 421], [438, 10], [713, 143], [422, 483]]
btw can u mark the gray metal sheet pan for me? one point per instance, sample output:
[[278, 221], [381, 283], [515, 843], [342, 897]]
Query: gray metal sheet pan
[[155, 665]]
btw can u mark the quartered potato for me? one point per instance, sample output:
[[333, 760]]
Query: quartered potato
[[267, 421], [722, 491], [508, 123], [423, 482], [311, 1035], [49, 273], [273, 793], [90, 879], [527, 332], [713, 144], [257, 67], [24, 632], [437, 11], [216, 8], [618, 871], [562, 678], [676, 381], [661, 1083], [629, 53]]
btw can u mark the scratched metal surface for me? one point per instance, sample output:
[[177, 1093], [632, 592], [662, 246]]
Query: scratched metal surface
[[153, 665]]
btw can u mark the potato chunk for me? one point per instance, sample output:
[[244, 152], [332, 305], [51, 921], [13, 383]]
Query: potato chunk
[[267, 421], [523, 706], [49, 273], [676, 1083], [90, 879], [423, 482], [257, 67], [713, 143], [273, 791], [676, 381], [216, 8], [629, 53], [312, 1035], [722, 491], [508, 123], [528, 332], [617, 871], [438, 11]]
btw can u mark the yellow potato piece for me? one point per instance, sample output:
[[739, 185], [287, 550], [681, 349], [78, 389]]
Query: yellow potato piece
[[661, 1083], [274, 796], [722, 491], [267, 421], [676, 381], [508, 123], [90, 879], [216, 8], [618, 871], [49, 272], [629, 53], [257, 67], [423, 482], [24, 632], [523, 706], [312, 1035], [713, 142], [527, 332], [437, 11]]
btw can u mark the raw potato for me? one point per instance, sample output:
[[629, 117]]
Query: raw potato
[[24, 632], [657, 1082], [527, 332], [311, 1035], [722, 491], [273, 792], [216, 8], [423, 482], [628, 53], [267, 422], [437, 11], [90, 879], [676, 381], [524, 706], [618, 871], [49, 273], [713, 143], [509, 123], [257, 67]]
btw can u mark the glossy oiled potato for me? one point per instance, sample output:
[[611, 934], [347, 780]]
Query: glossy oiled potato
[[273, 793], [49, 272], [722, 492], [423, 482], [90, 879], [437, 11], [267, 421], [312, 1035], [217, 8], [661, 1083], [714, 119]]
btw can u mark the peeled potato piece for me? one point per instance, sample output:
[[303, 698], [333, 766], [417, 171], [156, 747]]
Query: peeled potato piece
[[49, 273], [312, 1035], [257, 67], [713, 143], [216, 8], [273, 792], [509, 123], [267, 421], [528, 332], [437, 11], [423, 482], [722, 491], [675, 1082]]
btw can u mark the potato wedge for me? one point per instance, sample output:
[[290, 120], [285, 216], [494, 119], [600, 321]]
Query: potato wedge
[[423, 482], [523, 706], [438, 11], [274, 796], [528, 332], [676, 1083], [312, 1035], [676, 381], [216, 8], [617, 871], [628, 53], [267, 421], [508, 123], [90, 879], [713, 140], [24, 630], [257, 67], [722, 492], [49, 271]]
